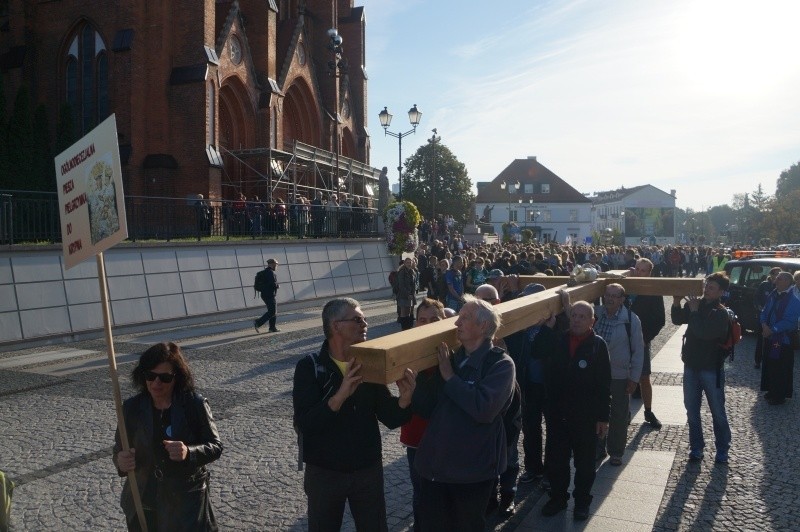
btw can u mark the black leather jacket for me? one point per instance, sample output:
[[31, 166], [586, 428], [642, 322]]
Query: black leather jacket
[[182, 493]]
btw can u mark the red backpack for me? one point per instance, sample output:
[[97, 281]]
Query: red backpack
[[734, 335]]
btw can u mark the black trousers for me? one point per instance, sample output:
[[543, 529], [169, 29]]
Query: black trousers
[[532, 408], [271, 313], [448, 507], [778, 373], [576, 439], [327, 492]]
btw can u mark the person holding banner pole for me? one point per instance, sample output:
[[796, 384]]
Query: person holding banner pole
[[172, 437]]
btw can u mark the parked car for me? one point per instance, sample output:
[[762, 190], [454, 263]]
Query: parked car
[[746, 274]]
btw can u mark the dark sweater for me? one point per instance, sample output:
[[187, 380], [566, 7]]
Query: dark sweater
[[347, 440], [705, 333]]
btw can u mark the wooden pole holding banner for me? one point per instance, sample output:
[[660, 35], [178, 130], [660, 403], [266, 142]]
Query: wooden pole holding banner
[[112, 365]]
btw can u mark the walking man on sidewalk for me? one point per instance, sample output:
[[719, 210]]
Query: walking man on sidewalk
[[269, 289], [703, 369]]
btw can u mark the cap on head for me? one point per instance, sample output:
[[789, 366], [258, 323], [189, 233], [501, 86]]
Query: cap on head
[[533, 288]]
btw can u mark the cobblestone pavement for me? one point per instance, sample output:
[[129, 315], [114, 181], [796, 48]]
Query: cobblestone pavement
[[56, 430]]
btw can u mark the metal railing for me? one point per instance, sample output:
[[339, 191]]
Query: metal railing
[[33, 218]]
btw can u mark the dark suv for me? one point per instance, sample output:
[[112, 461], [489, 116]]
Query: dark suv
[[746, 274]]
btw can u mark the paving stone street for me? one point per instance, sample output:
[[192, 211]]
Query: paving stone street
[[57, 424]]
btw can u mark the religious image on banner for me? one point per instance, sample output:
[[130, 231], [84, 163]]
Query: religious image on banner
[[102, 198]]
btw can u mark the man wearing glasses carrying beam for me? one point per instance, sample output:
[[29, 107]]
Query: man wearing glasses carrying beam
[[336, 416]]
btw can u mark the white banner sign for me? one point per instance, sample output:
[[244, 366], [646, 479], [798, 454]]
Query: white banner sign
[[91, 199]]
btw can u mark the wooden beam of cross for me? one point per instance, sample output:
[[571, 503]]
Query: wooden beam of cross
[[384, 359]]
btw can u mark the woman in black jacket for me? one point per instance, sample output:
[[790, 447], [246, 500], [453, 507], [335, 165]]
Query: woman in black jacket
[[172, 436]]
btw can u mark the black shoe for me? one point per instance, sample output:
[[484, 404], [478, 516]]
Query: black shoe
[[651, 418], [581, 513], [506, 506], [529, 476], [553, 507], [545, 484], [275, 330], [255, 324], [695, 456]]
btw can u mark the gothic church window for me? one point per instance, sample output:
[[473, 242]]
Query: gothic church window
[[86, 78]]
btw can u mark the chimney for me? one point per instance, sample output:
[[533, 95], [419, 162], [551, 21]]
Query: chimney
[[532, 158], [672, 192]]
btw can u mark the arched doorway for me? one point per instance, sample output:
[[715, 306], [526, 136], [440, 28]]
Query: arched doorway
[[235, 133], [300, 116]]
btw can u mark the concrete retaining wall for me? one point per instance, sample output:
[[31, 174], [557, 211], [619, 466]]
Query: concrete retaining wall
[[40, 300]]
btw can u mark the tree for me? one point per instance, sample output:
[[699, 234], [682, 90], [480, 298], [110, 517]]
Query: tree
[[759, 200], [788, 181], [449, 190], [781, 223]]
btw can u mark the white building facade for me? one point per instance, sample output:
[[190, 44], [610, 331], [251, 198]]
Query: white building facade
[[642, 214], [533, 197]]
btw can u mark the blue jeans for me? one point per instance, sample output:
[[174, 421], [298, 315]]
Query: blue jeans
[[695, 383]]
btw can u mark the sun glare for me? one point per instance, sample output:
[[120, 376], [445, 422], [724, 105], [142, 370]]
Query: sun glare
[[737, 48]]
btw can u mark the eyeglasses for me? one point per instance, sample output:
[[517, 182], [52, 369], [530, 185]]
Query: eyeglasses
[[166, 378], [355, 319]]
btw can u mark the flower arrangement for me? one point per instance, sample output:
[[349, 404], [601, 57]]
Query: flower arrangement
[[402, 219]]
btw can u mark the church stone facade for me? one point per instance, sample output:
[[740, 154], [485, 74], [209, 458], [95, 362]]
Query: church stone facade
[[211, 97]]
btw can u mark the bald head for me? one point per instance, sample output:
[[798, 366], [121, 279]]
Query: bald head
[[487, 293]]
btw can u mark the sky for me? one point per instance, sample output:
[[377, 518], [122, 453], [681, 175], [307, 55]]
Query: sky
[[699, 96]]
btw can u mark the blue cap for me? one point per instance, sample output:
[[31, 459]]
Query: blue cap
[[533, 288]]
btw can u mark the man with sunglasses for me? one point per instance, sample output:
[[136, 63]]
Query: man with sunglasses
[[336, 416]]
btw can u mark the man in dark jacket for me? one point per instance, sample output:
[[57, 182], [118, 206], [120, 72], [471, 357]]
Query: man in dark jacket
[[760, 300], [703, 357], [268, 293], [337, 416], [578, 402], [650, 310], [464, 447]]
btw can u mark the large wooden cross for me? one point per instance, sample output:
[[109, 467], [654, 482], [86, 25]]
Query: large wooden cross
[[384, 359]]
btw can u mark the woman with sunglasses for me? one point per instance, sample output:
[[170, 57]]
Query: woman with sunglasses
[[172, 436]]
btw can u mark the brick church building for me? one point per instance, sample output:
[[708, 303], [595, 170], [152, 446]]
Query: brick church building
[[212, 97]]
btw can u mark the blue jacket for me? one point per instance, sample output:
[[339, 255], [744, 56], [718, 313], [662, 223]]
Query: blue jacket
[[465, 441], [785, 323]]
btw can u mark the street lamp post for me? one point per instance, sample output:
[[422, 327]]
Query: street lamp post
[[414, 116], [433, 140], [506, 185], [336, 69]]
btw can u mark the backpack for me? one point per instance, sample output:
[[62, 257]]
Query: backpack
[[512, 411], [734, 335], [260, 282]]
